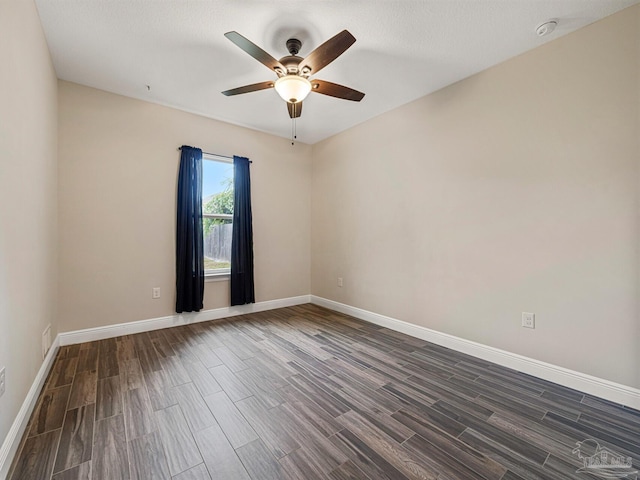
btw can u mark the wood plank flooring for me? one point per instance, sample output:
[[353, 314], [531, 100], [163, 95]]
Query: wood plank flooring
[[304, 393]]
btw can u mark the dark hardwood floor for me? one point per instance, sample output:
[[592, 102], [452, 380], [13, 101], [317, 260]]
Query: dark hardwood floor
[[305, 393]]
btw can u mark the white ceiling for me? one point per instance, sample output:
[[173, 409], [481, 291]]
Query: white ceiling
[[405, 49]]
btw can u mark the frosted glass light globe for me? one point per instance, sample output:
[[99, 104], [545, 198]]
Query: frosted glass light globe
[[292, 88]]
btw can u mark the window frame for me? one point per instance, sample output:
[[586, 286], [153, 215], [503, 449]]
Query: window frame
[[220, 273]]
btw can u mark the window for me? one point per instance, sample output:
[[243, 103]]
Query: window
[[217, 212]]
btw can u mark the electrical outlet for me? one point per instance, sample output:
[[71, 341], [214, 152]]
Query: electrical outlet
[[528, 320], [155, 293], [340, 283], [3, 382], [46, 341]]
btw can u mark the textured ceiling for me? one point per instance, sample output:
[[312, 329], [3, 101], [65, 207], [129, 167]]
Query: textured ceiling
[[404, 50]]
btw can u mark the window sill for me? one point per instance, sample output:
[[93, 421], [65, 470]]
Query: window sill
[[217, 277]]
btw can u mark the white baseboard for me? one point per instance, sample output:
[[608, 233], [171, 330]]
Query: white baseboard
[[13, 438], [583, 382], [109, 331]]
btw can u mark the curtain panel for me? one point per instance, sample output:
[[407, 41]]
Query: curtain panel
[[189, 240], [242, 288]]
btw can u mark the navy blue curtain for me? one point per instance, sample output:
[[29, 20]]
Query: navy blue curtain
[[189, 242], [242, 240]]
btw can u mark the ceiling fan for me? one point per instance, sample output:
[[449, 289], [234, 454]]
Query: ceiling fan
[[294, 72]]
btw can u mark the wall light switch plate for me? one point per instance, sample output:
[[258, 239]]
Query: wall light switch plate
[[528, 320]]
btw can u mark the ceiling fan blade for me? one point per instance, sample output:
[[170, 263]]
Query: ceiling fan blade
[[248, 88], [295, 109], [335, 90], [326, 53], [256, 52]]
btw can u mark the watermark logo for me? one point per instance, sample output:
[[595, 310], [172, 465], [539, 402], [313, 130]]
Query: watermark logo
[[602, 461]]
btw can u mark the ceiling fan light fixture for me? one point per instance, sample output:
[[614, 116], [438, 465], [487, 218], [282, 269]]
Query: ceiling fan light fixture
[[293, 88]]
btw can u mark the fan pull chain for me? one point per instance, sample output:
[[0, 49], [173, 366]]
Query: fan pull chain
[[294, 125]]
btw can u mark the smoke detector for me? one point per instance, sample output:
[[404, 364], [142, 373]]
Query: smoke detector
[[546, 28]]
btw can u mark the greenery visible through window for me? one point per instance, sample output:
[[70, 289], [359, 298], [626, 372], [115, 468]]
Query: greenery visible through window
[[217, 210]]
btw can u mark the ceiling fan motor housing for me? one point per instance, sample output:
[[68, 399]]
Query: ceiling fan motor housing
[[291, 62]]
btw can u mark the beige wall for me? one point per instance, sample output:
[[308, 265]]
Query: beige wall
[[118, 167], [513, 190], [28, 152]]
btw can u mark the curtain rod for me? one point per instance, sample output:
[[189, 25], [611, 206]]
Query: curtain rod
[[216, 155]]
